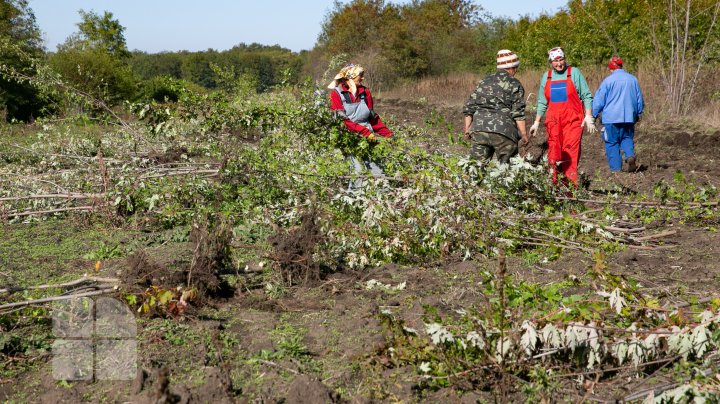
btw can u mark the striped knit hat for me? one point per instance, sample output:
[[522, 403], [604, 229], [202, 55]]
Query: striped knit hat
[[506, 59]]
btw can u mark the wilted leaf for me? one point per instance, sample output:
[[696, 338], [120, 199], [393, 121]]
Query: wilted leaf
[[617, 301], [620, 350], [700, 340], [552, 336], [529, 337], [438, 333], [502, 347], [475, 340]]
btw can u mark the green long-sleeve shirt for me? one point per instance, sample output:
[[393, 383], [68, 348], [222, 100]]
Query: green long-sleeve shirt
[[579, 82]]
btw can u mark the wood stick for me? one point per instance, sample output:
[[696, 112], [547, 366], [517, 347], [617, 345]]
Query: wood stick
[[278, 366], [661, 389], [642, 247], [700, 301], [560, 217], [171, 174], [568, 246], [668, 204], [625, 230], [624, 367], [653, 236], [50, 196], [41, 212], [56, 298], [36, 179], [562, 240], [63, 285]]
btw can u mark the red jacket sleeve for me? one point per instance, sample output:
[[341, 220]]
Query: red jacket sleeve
[[377, 125], [336, 105]]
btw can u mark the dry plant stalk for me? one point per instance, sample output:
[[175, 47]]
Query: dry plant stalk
[[293, 251]]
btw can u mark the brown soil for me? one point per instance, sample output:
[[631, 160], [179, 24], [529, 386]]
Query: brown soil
[[345, 355]]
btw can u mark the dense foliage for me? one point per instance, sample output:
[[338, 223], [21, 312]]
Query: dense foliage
[[19, 41], [268, 65], [411, 40], [591, 31]]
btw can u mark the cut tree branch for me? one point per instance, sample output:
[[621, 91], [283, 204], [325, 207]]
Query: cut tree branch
[[84, 279], [56, 298]]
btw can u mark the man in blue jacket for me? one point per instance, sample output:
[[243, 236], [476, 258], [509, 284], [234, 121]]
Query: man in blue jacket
[[620, 101]]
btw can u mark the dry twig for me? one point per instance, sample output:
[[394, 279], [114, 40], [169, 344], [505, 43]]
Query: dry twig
[[84, 279], [56, 298], [42, 212]]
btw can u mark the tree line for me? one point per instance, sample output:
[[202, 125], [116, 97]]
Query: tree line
[[396, 43]]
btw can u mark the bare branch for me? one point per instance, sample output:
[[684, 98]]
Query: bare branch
[[56, 298]]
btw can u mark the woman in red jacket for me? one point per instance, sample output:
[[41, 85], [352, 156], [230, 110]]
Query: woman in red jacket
[[352, 101]]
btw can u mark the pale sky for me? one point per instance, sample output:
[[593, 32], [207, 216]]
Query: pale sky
[[194, 25]]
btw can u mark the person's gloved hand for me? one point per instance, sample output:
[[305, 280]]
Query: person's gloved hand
[[371, 137], [589, 124], [534, 128]]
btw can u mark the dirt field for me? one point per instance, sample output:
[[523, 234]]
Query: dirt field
[[326, 343]]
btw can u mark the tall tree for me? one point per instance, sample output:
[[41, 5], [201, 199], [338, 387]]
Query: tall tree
[[20, 44], [94, 60], [354, 26], [101, 32], [686, 39]]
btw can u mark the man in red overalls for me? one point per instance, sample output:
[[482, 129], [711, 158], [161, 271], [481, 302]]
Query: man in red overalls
[[564, 98]]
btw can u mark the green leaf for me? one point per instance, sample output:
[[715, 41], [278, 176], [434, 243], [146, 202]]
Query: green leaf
[[165, 296], [131, 299]]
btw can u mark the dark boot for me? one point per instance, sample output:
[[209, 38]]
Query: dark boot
[[632, 166]]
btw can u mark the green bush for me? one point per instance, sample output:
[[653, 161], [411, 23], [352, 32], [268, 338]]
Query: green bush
[[165, 89], [96, 73]]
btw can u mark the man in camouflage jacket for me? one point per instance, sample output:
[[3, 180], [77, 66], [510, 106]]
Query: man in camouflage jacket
[[495, 112]]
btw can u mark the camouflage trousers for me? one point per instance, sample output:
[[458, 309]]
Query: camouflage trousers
[[486, 144]]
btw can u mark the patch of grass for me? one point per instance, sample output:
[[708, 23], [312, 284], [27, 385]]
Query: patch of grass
[[289, 340], [54, 249], [174, 333], [20, 347]]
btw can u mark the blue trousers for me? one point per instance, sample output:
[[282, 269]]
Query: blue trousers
[[618, 137]]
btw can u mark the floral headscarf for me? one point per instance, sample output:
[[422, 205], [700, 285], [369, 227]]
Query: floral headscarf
[[556, 53], [348, 73]]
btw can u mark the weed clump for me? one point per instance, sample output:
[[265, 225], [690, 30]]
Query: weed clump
[[211, 256], [143, 272], [293, 251], [168, 290]]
